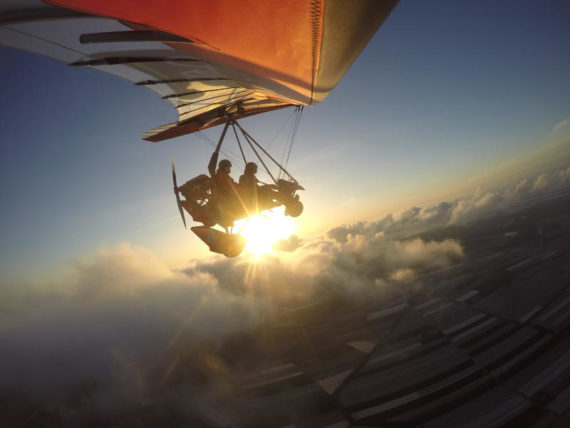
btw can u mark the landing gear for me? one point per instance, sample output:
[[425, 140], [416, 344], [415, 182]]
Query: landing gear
[[294, 208]]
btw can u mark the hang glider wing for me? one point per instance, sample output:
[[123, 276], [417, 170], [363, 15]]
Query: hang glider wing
[[207, 57]]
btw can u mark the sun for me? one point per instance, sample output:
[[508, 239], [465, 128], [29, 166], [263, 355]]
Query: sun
[[261, 232]]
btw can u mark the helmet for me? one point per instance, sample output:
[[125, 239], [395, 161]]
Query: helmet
[[224, 163], [251, 167]]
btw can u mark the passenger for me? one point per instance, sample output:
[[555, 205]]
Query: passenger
[[248, 184], [256, 197]]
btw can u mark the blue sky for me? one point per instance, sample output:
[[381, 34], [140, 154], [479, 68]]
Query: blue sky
[[444, 92]]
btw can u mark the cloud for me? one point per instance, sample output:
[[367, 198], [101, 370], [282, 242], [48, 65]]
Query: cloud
[[486, 202], [560, 125], [519, 190], [289, 244], [564, 176], [123, 330], [403, 275], [480, 204], [554, 180], [113, 333], [541, 182], [341, 233]]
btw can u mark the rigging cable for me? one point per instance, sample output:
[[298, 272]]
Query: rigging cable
[[250, 139], [227, 153], [291, 136], [294, 134], [247, 138], [281, 129]]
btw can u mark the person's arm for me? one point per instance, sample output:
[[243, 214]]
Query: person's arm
[[213, 162], [214, 158]]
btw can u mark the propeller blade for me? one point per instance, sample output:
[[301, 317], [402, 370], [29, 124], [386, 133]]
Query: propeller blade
[[177, 194]]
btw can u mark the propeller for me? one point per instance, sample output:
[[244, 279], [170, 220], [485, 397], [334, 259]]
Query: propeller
[[177, 194]]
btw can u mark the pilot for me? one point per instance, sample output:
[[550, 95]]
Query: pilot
[[224, 182]]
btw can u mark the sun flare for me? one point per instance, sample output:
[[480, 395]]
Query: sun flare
[[261, 232]]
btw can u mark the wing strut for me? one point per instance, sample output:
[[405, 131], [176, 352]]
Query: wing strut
[[239, 144]]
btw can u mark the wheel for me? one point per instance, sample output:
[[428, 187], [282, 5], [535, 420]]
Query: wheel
[[294, 208]]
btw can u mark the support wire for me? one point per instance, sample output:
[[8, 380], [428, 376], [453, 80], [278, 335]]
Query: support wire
[[251, 140]]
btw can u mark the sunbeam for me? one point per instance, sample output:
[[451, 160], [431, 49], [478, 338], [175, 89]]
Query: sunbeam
[[261, 232]]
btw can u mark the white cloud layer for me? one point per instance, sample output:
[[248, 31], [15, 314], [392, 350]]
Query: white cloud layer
[[123, 329], [461, 211]]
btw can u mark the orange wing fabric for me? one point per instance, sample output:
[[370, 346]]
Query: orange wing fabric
[[275, 40]]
